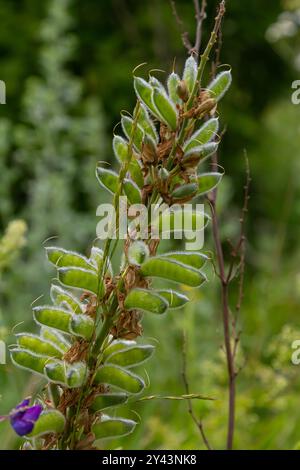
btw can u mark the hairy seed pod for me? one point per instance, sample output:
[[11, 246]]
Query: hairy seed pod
[[218, 87], [49, 422], [132, 192], [138, 252], [145, 300], [107, 427], [55, 371], [117, 345], [29, 360], [186, 190], [173, 82], [120, 378], [208, 181], [56, 338], [60, 296], [190, 258], [203, 135], [108, 179], [132, 356], [63, 258], [38, 345], [130, 129], [174, 299], [81, 279], [108, 400], [197, 155], [146, 123], [165, 108], [144, 92], [190, 73], [182, 91]]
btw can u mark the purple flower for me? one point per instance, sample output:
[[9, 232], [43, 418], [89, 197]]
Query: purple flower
[[23, 417]]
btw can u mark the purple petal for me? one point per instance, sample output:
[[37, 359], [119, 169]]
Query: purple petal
[[23, 403], [32, 413], [21, 427]]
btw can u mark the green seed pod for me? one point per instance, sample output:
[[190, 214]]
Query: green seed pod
[[29, 360], [208, 181], [174, 299], [117, 345], [218, 87], [108, 179], [146, 123], [198, 155], [172, 270], [63, 258], [120, 378], [60, 296], [53, 317], [173, 82], [96, 259], [55, 371], [163, 173], [203, 135], [120, 148], [132, 356], [165, 109], [145, 300], [190, 73], [129, 129], [107, 400], [38, 345], [132, 192], [155, 83], [186, 190], [76, 374], [167, 221], [82, 325], [182, 91], [144, 92], [50, 421], [136, 173], [81, 279], [109, 427], [190, 258], [56, 338], [138, 252]]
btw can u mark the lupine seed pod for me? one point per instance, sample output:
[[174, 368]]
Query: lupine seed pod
[[120, 148], [149, 154], [132, 356], [63, 258], [132, 192], [138, 252], [60, 296], [130, 129], [146, 123], [144, 92], [82, 325], [145, 300], [173, 82], [108, 400], [107, 427], [197, 155], [38, 345], [165, 108], [203, 135], [55, 337], [55, 371], [81, 279], [163, 174], [117, 345], [49, 422], [108, 179], [174, 299], [76, 374], [172, 270], [53, 317], [218, 87], [29, 360], [191, 258], [120, 378], [208, 181], [194, 221], [190, 73], [185, 190], [96, 259], [182, 91]]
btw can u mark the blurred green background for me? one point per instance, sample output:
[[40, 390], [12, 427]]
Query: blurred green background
[[67, 65]]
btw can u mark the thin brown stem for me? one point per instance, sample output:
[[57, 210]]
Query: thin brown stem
[[198, 422], [200, 14]]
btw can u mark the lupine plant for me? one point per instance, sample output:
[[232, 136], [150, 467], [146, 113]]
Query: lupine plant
[[88, 342]]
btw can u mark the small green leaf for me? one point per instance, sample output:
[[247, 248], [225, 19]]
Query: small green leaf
[[63, 258], [50, 421], [107, 400], [172, 270], [174, 299], [38, 345], [108, 179], [208, 181], [220, 85], [107, 427], [131, 356], [145, 300], [165, 108], [82, 279], [130, 129], [190, 73], [120, 378], [203, 135]]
